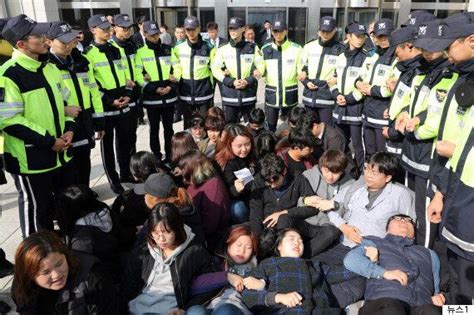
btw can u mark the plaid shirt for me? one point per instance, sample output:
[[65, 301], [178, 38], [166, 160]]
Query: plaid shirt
[[285, 275]]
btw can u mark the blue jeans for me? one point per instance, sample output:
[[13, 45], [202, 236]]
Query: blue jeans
[[224, 309], [239, 212]]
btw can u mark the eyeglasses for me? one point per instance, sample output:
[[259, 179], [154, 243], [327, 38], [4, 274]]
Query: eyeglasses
[[403, 219], [369, 169]]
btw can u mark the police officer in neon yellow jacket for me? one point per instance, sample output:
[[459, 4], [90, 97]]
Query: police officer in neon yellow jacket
[[37, 132], [110, 73], [153, 60], [282, 65], [84, 102], [192, 61], [234, 65]]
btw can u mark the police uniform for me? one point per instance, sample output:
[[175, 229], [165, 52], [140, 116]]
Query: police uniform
[[192, 67], [240, 60], [78, 77], [377, 102], [155, 61], [32, 119], [282, 65], [319, 62], [111, 76], [351, 65], [128, 49]]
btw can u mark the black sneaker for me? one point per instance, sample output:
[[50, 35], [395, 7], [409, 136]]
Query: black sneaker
[[141, 121]]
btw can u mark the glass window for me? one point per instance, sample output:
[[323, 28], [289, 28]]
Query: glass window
[[236, 12], [111, 11], [445, 13], [206, 15], [182, 14], [366, 17], [326, 12], [297, 25], [141, 12]]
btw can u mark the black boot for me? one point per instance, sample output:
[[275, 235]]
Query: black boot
[[6, 267]]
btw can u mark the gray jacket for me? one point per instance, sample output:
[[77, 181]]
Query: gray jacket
[[324, 190], [353, 200]]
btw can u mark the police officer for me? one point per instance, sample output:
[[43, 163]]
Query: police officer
[[239, 59], [192, 61], [416, 152], [282, 60], [84, 101], [319, 63], [351, 65], [122, 40], [111, 76], [452, 204], [373, 86], [160, 87], [37, 132]]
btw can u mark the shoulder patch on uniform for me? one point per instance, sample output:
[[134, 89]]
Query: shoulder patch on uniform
[[88, 48]]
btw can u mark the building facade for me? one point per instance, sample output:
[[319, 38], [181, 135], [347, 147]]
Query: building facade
[[302, 16]]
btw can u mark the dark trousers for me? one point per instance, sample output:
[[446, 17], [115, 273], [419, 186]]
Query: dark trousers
[[324, 114], [354, 134], [374, 141], [165, 115], [232, 113], [35, 197], [134, 114], [389, 306], [461, 280], [424, 229], [272, 114], [316, 237], [82, 165], [189, 110], [116, 132]]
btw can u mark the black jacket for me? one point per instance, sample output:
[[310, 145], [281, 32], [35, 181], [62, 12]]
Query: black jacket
[[87, 291], [264, 202], [229, 178], [191, 262], [137, 39]]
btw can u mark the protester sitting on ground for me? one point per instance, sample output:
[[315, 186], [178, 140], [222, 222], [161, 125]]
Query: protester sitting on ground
[[197, 128], [402, 277], [265, 143], [235, 153], [297, 156], [160, 271], [215, 111], [274, 204], [88, 226], [181, 143], [296, 113], [130, 206], [209, 195], [233, 262], [51, 279], [160, 188], [289, 283], [257, 123], [213, 127]]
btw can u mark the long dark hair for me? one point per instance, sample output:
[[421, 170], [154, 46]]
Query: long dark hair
[[169, 215], [181, 143], [196, 168], [28, 257], [74, 203], [143, 164]]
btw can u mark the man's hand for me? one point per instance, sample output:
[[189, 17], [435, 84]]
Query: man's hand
[[59, 145], [172, 78], [236, 281], [99, 135], [385, 132], [72, 111], [301, 76], [372, 253], [412, 124], [435, 208], [291, 299], [176, 311], [438, 299], [391, 83], [252, 283], [386, 115], [130, 84], [67, 137], [146, 77], [396, 275], [310, 85], [341, 100], [272, 219], [445, 148], [401, 121], [324, 205], [163, 90], [257, 74], [351, 232], [120, 102], [332, 82]]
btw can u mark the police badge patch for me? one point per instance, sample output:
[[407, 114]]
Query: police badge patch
[[441, 95]]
